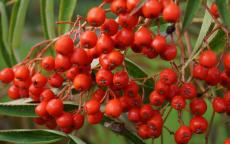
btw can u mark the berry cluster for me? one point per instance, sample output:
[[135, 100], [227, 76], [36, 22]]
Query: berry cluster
[[108, 89]]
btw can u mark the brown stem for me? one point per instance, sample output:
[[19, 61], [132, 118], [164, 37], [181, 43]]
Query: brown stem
[[189, 48], [169, 130], [167, 115], [209, 128]]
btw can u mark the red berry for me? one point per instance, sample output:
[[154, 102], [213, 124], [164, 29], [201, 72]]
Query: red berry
[[95, 118], [170, 52], [67, 130], [6, 75], [226, 60], [144, 131], [208, 58], [113, 108], [156, 124], [105, 44], [55, 80], [47, 95], [146, 112], [227, 141], [198, 125], [120, 79], [149, 52], [214, 10], [159, 43], [143, 37], [118, 6], [22, 73], [178, 102], [198, 106], [13, 92], [213, 76], [104, 77], [82, 82], [188, 91], [55, 107], [128, 21], [183, 135], [35, 90], [64, 45], [80, 57], [227, 100], [219, 105], [92, 107], [62, 63], [109, 27], [168, 76], [65, 120], [134, 115], [171, 13], [162, 88], [225, 79], [123, 38], [152, 9], [131, 89], [51, 124], [88, 39], [98, 95], [39, 80], [131, 4], [115, 58], [96, 16], [156, 99], [40, 109], [39, 121], [78, 121], [200, 72], [72, 72], [48, 63], [22, 84]]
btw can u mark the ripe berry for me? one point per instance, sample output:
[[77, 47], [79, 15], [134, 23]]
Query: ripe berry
[[198, 125], [39, 80], [131, 89], [35, 90], [105, 44], [199, 72], [156, 124], [134, 115], [95, 118], [82, 82], [51, 124], [98, 95], [146, 112], [149, 52], [159, 43], [92, 107], [13, 92], [72, 72], [161, 88], [219, 104], [62, 63], [55, 80], [96, 16], [226, 60], [109, 27], [123, 38], [170, 52], [178, 102], [6, 75], [144, 131], [118, 6], [171, 13], [227, 100], [120, 79], [208, 58], [22, 73], [39, 121], [227, 141], [156, 99], [113, 108], [128, 21], [78, 121], [214, 10], [88, 39], [64, 45], [48, 63], [40, 109], [115, 58], [225, 79], [104, 77], [22, 84], [131, 4], [80, 57], [65, 120], [143, 37], [168, 76], [55, 107], [183, 135], [198, 106], [213, 76], [152, 9], [188, 91], [47, 95]]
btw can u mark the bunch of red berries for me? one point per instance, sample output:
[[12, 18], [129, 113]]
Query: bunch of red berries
[[107, 88]]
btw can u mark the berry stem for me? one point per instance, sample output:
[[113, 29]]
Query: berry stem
[[210, 126]]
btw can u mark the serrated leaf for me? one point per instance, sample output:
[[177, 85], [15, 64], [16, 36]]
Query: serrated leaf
[[75, 140], [66, 11], [191, 9], [223, 8], [29, 136], [137, 72]]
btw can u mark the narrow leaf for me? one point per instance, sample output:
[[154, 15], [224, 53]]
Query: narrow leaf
[[37, 136], [75, 140], [191, 9], [66, 11], [223, 8], [218, 42]]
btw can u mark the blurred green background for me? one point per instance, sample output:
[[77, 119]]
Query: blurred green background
[[32, 33]]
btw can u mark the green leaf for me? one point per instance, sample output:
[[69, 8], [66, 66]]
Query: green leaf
[[218, 42], [29, 136], [47, 18], [137, 72], [75, 140], [4, 35], [66, 11], [223, 8], [19, 23], [191, 9]]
